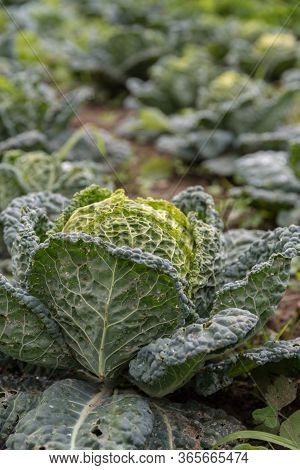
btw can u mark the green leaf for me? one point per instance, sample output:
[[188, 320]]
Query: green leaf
[[281, 393], [108, 301], [290, 429], [27, 331], [267, 170], [219, 374], [249, 447], [52, 204], [204, 276], [189, 425], [73, 414], [26, 141], [38, 171], [206, 225], [169, 363], [260, 274], [87, 196], [92, 132], [61, 112], [155, 120], [283, 240], [77, 415], [12, 409], [269, 116], [267, 416], [258, 436], [195, 199]]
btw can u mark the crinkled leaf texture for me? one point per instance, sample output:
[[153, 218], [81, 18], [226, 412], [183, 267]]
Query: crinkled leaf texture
[[216, 375], [116, 280], [51, 204], [243, 306], [267, 170], [12, 408], [169, 363], [73, 414], [27, 331], [108, 301]]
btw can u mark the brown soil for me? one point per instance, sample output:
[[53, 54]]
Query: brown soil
[[102, 116], [288, 311]]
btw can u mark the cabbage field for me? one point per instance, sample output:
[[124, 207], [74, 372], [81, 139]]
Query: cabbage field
[[149, 224]]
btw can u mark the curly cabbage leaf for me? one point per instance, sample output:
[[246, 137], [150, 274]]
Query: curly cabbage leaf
[[215, 375], [72, 414], [27, 331], [108, 301]]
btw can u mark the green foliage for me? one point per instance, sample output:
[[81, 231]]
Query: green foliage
[[133, 299], [140, 290], [101, 418], [271, 181], [285, 432]]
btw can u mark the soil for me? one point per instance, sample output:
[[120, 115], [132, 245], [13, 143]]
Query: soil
[[288, 311]]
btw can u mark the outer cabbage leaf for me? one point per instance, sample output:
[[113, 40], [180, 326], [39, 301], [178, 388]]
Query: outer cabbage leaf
[[274, 140], [237, 241], [27, 331], [26, 141], [271, 200], [267, 170], [12, 408], [260, 292], [77, 415], [72, 414], [52, 205], [188, 426], [216, 375], [169, 363], [31, 228], [109, 301], [196, 146], [281, 241]]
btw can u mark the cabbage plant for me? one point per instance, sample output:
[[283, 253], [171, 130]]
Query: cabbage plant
[[227, 110], [174, 80], [28, 103], [88, 156], [270, 55], [137, 294], [271, 180], [109, 60]]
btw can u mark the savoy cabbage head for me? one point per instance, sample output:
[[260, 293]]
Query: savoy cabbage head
[[89, 156], [142, 291]]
